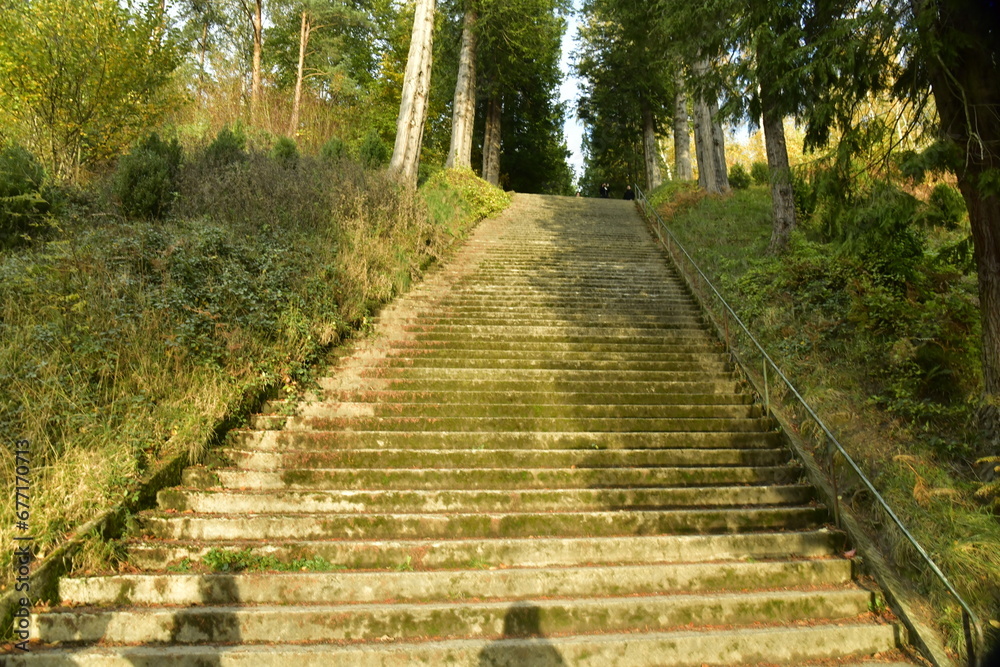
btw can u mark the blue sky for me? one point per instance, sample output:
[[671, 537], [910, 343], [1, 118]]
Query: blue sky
[[569, 94]]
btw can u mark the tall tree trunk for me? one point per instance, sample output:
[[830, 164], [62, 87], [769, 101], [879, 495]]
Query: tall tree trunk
[[257, 22], [714, 177], [650, 148], [703, 146], [682, 137], [416, 87], [782, 198], [710, 142], [202, 52], [464, 115], [964, 80], [718, 148], [491, 144], [304, 30]]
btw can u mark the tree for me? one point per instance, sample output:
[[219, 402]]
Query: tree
[[464, 108], [682, 135], [306, 43], [629, 71], [515, 56], [82, 80], [959, 44], [416, 85], [709, 141], [253, 11]]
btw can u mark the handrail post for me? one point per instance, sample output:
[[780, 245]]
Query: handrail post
[[831, 452], [970, 646], [767, 392]]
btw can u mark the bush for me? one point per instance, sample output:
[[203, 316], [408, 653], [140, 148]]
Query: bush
[[945, 207], [229, 147], [22, 203], [145, 181], [285, 153], [373, 152], [171, 152], [760, 173], [738, 177], [333, 151]]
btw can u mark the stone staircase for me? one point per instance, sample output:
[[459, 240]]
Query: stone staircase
[[543, 457]]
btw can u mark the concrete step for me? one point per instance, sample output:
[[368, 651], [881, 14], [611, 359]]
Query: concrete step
[[511, 584], [507, 363], [680, 648], [541, 375], [606, 356], [535, 385], [342, 501], [745, 423], [713, 410], [291, 441], [506, 553], [369, 622], [525, 398], [668, 320], [530, 349], [567, 330], [737, 472], [484, 525]]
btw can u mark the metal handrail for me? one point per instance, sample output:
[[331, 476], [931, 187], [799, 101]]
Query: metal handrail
[[970, 621]]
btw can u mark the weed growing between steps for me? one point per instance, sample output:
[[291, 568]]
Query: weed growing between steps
[[890, 363], [126, 343]]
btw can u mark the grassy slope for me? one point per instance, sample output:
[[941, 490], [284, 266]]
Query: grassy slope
[[813, 333], [126, 343]]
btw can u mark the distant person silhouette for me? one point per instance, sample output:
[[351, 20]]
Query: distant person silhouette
[[629, 195], [605, 191], [522, 644]]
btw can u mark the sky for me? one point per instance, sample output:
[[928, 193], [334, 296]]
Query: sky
[[570, 92]]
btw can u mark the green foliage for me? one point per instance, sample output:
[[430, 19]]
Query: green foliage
[[333, 151], [892, 369], [285, 153], [373, 151], [81, 81], [457, 193], [146, 179], [760, 173], [229, 147], [945, 207], [22, 202], [125, 344], [739, 178]]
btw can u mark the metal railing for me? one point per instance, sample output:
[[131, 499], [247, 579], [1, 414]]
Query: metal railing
[[770, 370]]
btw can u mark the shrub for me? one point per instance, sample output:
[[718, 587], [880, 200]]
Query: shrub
[[373, 152], [170, 151], [945, 207], [228, 148], [738, 177], [760, 173], [285, 153], [804, 192], [333, 151], [145, 181], [22, 203]]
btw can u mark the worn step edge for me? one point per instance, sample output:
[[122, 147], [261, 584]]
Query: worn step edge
[[515, 583], [501, 553], [466, 619], [492, 525], [477, 500]]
